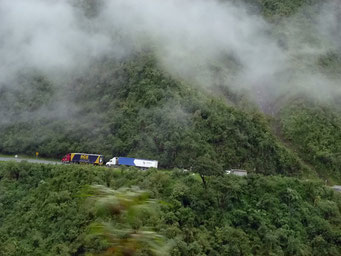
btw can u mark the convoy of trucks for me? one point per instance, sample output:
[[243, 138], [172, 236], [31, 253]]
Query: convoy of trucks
[[96, 159]]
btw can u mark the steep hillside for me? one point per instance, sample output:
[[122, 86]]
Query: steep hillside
[[201, 86], [133, 108], [142, 104], [314, 131], [43, 213]]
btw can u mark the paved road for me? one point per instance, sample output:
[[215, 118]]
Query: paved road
[[28, 160]]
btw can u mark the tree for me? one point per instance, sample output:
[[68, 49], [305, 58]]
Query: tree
[[120, 225], [206, 166]]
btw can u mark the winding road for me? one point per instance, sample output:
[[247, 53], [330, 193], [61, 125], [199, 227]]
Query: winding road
[[37, 161]]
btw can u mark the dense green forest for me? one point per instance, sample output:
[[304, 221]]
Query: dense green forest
[[288, 139], [153, 116], [314, 131], [132, 107], [43, 212]]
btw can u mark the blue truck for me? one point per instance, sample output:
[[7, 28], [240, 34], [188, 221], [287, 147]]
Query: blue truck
[[141, 163]]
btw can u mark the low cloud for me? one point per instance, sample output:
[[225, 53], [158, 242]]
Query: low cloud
[[207, 43]]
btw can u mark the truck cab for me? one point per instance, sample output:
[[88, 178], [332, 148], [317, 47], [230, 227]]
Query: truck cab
[[112, 162], [66, 159]]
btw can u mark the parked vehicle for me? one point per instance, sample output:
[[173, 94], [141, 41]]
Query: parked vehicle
[[141, 163], [78, 158], [237, 172]]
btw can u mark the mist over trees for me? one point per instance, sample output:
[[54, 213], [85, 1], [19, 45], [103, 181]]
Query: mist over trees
[[147, 118], [201, 86]]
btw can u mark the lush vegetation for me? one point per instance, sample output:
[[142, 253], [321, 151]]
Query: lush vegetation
[[315, 132], [44, 213], [273, 8], [120, 227], [133, 108]]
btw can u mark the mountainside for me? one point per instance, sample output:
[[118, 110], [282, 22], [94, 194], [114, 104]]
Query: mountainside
[[44, 214], [314, 131], [142, 112], [201, 86], [143, 105]]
